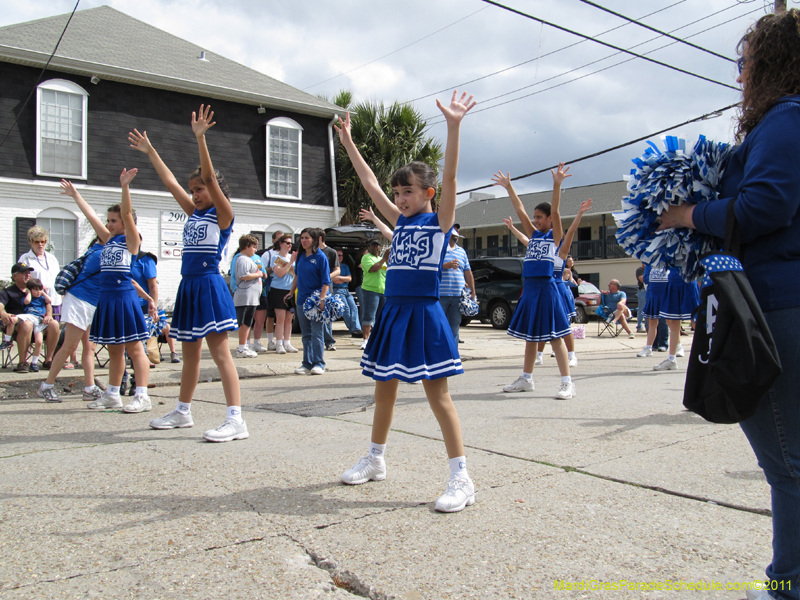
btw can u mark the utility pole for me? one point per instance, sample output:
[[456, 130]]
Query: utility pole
[[780, 6]]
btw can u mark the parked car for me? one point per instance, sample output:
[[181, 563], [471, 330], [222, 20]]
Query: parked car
[[498, 287]]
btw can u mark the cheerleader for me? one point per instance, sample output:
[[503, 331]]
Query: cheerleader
[[540, 314], [203, 306], [118, 321], [678, 302], [655, 278], [411, 339]]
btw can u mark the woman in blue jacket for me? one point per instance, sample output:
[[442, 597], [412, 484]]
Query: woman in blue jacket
[[763, 178]]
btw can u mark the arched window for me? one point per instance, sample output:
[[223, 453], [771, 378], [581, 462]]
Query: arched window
[[284, 158], [61, 129], [63, 228]]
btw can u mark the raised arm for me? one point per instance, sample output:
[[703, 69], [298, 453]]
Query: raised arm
[[505, 182], [563, 251], [366, 214], [140, 142], [132, 241], [282, 270], [453, 114], [202, 122], [555, 206], [67, 189], [517, 233], [365, 174]]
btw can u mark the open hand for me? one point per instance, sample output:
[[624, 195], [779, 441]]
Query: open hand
[[502, 180], [457, 109], [585, 205], [367, 214], [126, 176], [139, 141], [509, 222], [561, 174], [68, 189], [203, 122], [344, 129]]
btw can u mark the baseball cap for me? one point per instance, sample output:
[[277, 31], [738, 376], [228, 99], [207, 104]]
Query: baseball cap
[[20, 268]]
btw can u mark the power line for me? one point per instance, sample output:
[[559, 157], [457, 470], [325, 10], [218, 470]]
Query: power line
[[712, 114], [612, 46], [395, 51], [658, 31], [461, 85], [437, 119], [39, 79]]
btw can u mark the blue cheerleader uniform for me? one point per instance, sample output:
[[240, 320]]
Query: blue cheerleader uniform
[[411, 339], [203, 303], [118, 318], [656, 280], [679, 298], [563, 288], [540, 314]]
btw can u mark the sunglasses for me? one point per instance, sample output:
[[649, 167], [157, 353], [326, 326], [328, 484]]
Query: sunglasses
[[740, 64], [286, 242]]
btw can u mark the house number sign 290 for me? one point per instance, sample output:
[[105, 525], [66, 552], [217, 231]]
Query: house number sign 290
[[171, 233]]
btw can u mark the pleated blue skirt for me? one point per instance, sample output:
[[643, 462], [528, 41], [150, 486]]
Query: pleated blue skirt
[[568, 298], [203, 305], [655, 298], [411, 340], [541, 314], [118, 319], [679, 300]]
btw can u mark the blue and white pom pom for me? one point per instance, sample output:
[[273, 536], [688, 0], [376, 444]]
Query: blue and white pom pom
[[155, 328], [466, 305], [664, 179], [334, 308]]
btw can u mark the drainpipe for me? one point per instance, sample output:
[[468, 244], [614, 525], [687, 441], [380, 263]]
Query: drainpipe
[[333, 168]]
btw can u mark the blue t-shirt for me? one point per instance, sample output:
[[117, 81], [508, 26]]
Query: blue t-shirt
[[87, 285], [312, 273], [344, 271], [37, 306], [115, 265], [280, 283], [141, 271], [540, 255], [415, 262], [203, 243], [612, 299], [453, 279]]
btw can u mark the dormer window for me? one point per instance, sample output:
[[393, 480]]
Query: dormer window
[[61, 129], [284, 158]]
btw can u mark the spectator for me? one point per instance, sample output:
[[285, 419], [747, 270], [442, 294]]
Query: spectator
[[340, 288], [569, 263], [373, 286], [456, 273], [37, 307], [265, 315], [246, 298], [333, 265], [12, 304], [616, 300], [282, 267]]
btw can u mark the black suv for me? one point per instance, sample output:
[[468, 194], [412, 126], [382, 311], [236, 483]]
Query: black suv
[[498, 287]]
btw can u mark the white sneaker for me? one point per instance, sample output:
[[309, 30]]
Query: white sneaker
[[573, 362], [539, 361], [140, 403], [368, 468], [363, 345], [666, 365], [271, 344], [49, 394], [93, 394], [645, 352], [227, 432], [246, 353], [758, 594], [679, 351], [257, 347], [566, 391], [317, 370], [173, 420], [552, 353], [289, 348], [632, 336], [279, 349], [459, 494], [302, 371], [520, 385], [105, 402]]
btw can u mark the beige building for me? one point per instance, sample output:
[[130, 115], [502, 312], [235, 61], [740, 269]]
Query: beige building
[[598, 257]]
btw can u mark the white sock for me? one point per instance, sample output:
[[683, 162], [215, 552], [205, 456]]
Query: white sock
[[648, 347], [258, 341], [141, 390], [458, 467], [539, 354], [6, 338], [528, 376], [86, 388], [571, 354], [46, 386], [34, 359], [566, 379], [671, 357], [184, 407], [278, 344], [242, 347], [234, 413], [112, 390], [269, 337], [377, 450]]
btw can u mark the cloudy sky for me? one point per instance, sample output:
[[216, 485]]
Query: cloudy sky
[[555, 106]]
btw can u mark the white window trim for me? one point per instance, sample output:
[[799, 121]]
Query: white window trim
[[61, 85], [287, 123]]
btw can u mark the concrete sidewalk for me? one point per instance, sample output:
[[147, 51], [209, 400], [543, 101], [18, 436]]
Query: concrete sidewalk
[[618, 484]]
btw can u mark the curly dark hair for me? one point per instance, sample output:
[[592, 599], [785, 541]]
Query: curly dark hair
[[223, 185], [772, 48]]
